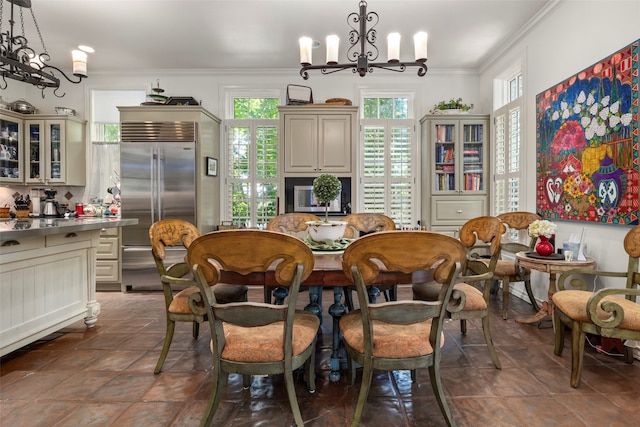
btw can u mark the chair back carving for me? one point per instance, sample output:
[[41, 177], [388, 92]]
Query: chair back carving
[[291, 223], [364, 223], [519, 221], [171, 232]]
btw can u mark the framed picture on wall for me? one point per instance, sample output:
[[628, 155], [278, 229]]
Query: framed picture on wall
[[212, 166], [587, 143]]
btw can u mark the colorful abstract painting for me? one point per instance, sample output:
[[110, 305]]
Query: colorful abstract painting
[[587, 143]]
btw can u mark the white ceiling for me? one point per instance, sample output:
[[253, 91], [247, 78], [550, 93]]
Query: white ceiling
[[131, 35]]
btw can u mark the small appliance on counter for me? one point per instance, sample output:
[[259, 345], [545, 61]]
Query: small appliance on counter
[[50, 205]]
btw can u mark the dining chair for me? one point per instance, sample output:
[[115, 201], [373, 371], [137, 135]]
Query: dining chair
[[250, 338], [507, 270], [293, 223], [174, 232], [361, 224], [406, 334], [609, 312], [481, 238]]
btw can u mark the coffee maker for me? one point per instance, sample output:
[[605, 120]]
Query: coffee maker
[[50, 204]]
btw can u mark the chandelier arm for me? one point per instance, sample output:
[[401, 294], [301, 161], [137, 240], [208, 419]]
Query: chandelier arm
[[400, 67], [64, 75]]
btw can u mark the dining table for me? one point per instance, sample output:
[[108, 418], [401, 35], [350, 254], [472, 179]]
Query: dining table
[[327, 272]]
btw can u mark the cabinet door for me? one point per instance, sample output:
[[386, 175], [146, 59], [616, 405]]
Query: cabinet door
[[301, 142], [11, 153], [55, 151], [473, 162], [444, 135], [35, 170], [334, 143]]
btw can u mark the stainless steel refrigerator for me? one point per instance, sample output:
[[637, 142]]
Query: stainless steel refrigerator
[[158, 181]]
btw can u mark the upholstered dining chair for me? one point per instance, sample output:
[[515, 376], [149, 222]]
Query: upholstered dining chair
[[507, 270], [403, 334], [608, 312], [255, 338], [174, 232], [293, 223], [360, 224], [480, 236]]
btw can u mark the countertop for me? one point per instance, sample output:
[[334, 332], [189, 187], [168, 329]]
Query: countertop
[[34, 227]]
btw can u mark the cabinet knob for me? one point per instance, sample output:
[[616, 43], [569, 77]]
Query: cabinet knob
[[459, 211]]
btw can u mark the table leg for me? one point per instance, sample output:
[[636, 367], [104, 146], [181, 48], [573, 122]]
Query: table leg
[[546, 309], [336, 310], [315, 302]]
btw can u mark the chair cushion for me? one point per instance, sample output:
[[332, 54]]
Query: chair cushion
[[573, 303], [264, 343], [475, 300], [506, 268], [390, 340], [224, 293]]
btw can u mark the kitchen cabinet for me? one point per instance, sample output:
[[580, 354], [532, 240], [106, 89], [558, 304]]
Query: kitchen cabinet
[[456, 170], [318, 139], [108, 266], [56, 150], [11, 151]]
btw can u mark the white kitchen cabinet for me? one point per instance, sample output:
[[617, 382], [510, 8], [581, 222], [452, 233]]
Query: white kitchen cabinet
[[455, 169], [318, 139], [55, 151], [108, 262], [11, 147]]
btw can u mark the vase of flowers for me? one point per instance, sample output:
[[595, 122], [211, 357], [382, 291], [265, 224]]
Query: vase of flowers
[[543, 230], [326, 188]]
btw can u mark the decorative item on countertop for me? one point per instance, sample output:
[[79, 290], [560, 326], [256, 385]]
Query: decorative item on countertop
[[326, 188], [453, 106], [544, 230], [5, 211], [64, 111]]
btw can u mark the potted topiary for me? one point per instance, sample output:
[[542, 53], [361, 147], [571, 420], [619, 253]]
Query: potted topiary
[[326, 188], [453, 106]]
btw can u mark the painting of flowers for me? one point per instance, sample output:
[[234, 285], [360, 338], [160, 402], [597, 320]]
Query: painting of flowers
[[587, 143]]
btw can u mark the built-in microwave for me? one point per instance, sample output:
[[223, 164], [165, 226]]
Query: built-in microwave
[[304, 200]]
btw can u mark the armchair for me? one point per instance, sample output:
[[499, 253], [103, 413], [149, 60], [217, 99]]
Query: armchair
[[399, 334], [608, 312], [254, 338], [508, 271], [173, 232]]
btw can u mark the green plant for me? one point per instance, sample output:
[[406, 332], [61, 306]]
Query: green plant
[[326, 188], [452, 104]]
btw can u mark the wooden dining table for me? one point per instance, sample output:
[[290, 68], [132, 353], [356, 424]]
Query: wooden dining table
[[327, 272]]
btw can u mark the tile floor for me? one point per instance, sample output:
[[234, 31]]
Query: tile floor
[[104, 377]]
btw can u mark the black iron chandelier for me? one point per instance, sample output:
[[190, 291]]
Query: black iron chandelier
[[19, 61], [364, 39]]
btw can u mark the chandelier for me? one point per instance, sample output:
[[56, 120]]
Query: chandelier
[[19, 61], [364, 39]]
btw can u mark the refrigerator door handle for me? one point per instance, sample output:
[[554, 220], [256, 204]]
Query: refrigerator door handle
[[154, 183], [160, 181]]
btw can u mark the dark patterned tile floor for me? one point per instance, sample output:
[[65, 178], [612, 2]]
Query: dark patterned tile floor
[[104, 377]]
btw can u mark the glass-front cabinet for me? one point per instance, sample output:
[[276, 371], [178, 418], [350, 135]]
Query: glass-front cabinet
[[11, 152], [459, 156], [455, 170], [56, 150]]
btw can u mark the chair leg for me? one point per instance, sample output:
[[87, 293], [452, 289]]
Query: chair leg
[[348, 298], [246, 381], [311, 372], [214, 398], [487, 337], [367, 373], [505, 298], [165, 348], [436, 384], [558, 327], [463, 326], [196, 330], [293, 400], [534, 303], [577, 353]]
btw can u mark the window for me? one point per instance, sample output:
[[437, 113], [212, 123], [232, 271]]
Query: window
[[388, 147], [105, 137], [508, 145], [251, 181]]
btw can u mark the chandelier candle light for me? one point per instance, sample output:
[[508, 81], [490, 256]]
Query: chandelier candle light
[[19, 61], [543, 230], [364, 39]]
